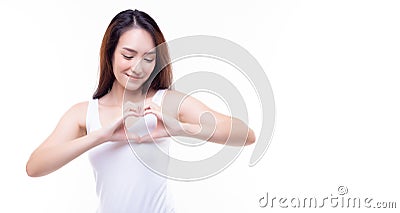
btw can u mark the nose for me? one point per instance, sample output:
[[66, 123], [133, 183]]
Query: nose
[[136, 67]]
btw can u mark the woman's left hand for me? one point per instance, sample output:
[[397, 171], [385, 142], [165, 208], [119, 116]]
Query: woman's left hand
[[167, 125]]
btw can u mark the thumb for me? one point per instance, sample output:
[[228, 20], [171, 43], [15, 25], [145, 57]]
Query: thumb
[[149, 137], [132, 137]]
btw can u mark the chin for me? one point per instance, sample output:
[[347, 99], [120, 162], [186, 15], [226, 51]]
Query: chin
[[133, 88]]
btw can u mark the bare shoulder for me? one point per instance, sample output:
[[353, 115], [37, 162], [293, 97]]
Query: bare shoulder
[[177, 96], [182, 99], [170, 93], [182, 105], [173, 99], [71, 125], [77, 112], [79, 108]]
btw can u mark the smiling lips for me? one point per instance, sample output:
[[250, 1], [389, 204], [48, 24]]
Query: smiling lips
[[133, 77]]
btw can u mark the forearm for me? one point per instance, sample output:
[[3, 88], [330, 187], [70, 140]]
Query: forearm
[[53, 156], [233, 132]]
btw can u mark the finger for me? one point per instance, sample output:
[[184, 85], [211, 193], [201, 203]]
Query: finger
[[153, 108], [126, 138], [148, 138], [152, 105], [133, 107], [134, 112], [158, 114], [153, 136], [132, 137], [117, 123], [130, 114]]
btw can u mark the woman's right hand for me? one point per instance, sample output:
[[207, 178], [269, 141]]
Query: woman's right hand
[[117, 131], [69, 140]]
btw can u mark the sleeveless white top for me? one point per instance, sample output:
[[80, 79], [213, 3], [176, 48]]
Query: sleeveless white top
[[123, 183]]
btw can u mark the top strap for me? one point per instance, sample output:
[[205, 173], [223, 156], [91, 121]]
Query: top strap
[[157, 98]]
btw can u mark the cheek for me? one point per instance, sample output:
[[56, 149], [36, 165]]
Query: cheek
[[119, 63], [122, 64], [148, 67]]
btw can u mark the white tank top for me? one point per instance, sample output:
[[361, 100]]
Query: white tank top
[[123, 183]]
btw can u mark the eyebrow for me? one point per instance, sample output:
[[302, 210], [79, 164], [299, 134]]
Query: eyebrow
[[134, 51]]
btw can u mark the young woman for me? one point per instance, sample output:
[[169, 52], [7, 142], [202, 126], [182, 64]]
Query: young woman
[[128, 63]]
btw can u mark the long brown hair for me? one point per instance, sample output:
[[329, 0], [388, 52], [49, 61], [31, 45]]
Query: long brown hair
[[160, 78]]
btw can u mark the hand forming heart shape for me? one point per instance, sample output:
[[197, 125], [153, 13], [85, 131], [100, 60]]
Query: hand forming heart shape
[[139, 123]]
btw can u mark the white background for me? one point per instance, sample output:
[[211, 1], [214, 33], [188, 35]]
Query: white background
[[333, 66]]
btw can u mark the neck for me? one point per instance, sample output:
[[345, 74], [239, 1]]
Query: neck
[[119, 94]]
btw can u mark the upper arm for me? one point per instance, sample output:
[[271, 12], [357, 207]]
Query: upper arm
[[188, 109], [71, 125], [214, 126]]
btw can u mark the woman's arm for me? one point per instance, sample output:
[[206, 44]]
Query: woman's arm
[[202, 122], [184, 115], [69, 140], [66, 142]]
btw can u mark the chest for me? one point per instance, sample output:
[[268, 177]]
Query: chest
[[108, 114]]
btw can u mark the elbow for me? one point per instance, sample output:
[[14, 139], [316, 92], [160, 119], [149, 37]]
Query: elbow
[[31, 171], [251, 138]]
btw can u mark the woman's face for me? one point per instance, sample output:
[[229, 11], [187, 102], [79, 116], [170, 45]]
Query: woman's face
[[134, 58]]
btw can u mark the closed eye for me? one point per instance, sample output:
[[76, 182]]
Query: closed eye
[[149, 60], [127, 57]]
